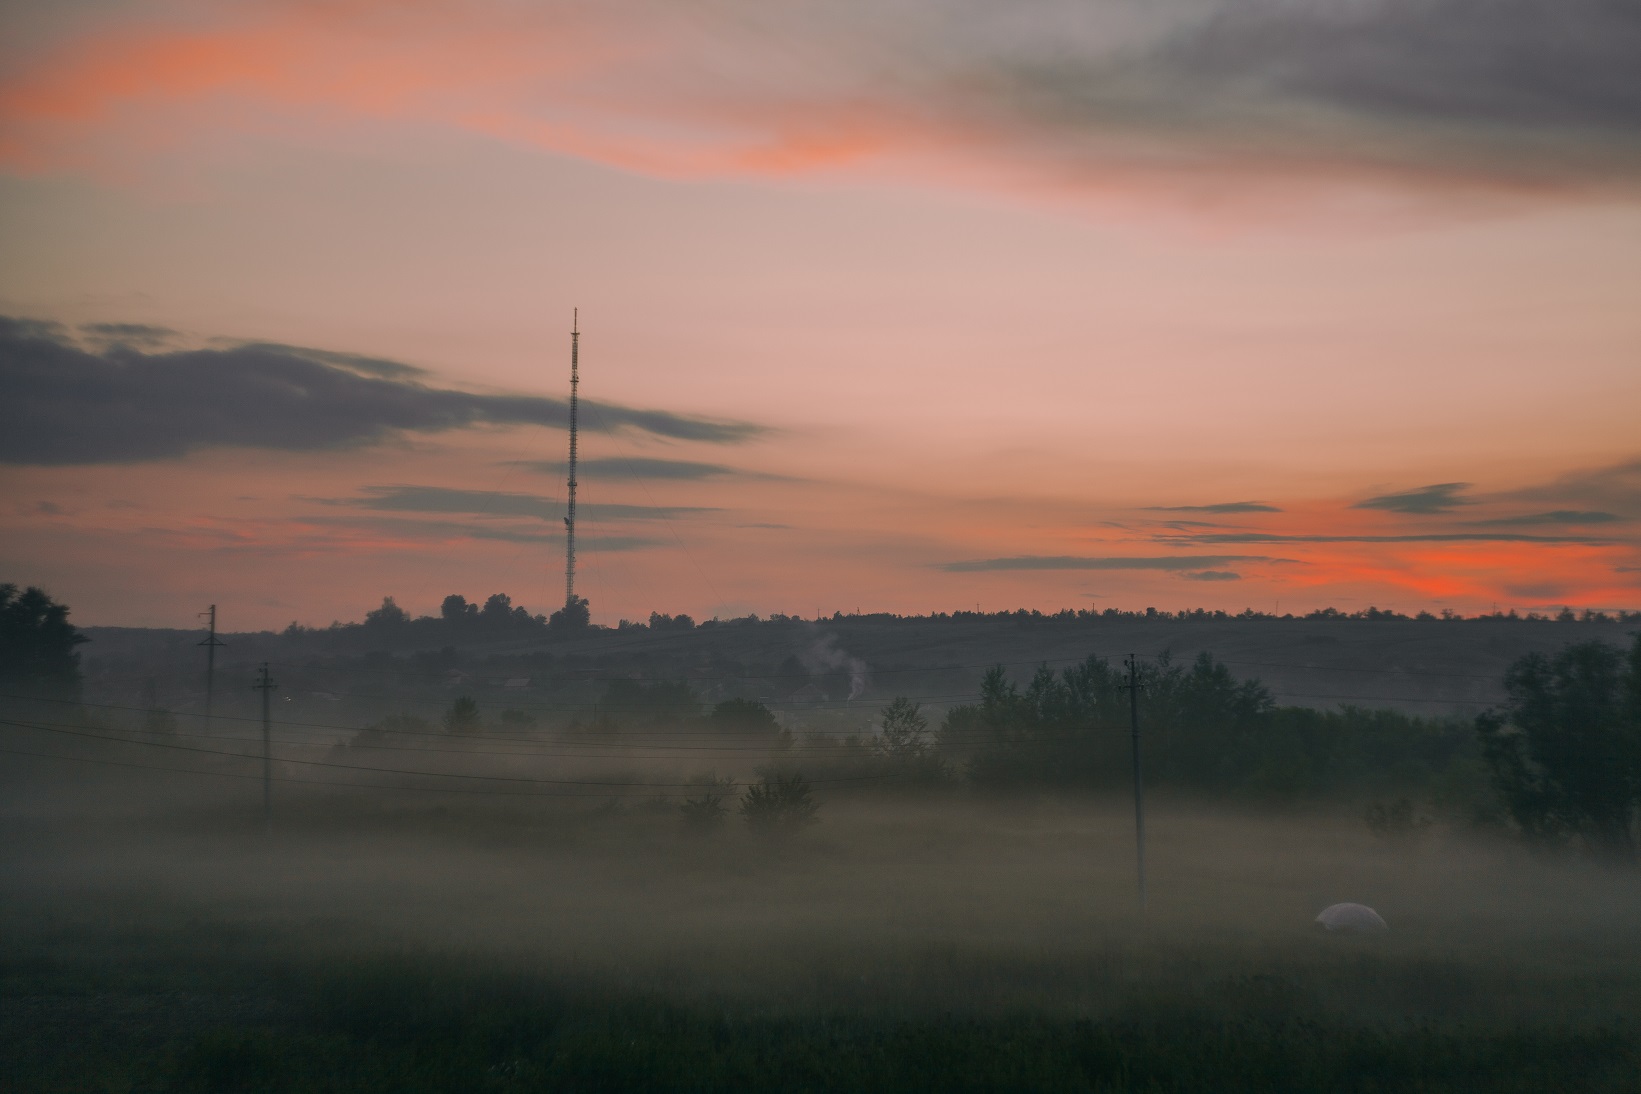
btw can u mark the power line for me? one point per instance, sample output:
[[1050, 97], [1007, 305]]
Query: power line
[[330, 783], [549, 752], [59, 728]]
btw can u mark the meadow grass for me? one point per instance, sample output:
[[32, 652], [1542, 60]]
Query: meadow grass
[[944, 944]]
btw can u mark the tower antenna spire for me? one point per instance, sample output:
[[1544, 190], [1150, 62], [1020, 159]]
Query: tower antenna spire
[[569, 517]]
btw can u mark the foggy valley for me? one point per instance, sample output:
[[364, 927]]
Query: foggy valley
[[481, 862]]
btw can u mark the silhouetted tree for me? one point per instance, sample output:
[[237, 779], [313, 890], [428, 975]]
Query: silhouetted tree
[[779, 805], [463, 716], [905, 732], [703, 811], [663, 704], [744, 718], [37, 644], [1566, 751], [574, 616], [388, 615], [456, 609]]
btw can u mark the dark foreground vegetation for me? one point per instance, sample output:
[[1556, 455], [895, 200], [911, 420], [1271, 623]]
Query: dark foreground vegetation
[[414, 1026]]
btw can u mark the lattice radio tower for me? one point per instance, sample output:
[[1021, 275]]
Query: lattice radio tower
[[569, 517]]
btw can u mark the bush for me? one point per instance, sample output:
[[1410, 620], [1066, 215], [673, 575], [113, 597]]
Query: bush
[[779, 805], [744, 718], [705, 812], [462, 717]]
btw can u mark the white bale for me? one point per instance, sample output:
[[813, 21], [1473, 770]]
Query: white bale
[[1353, 918]]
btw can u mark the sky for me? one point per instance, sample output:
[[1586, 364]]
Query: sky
[[900, 305]]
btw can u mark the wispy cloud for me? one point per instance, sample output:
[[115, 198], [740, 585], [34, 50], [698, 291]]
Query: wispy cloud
[[413, 529], [136, 335], [68, 404], [647, 467], [1441, 497], [1417, 537], [1615, 488], [1214, 575], [1221, 507], [492, 503], [1074, 562], [1558, 516]]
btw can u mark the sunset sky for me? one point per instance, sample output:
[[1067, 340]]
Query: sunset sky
[[897, 305]]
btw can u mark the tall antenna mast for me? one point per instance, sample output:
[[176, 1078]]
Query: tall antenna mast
[[569, 519]]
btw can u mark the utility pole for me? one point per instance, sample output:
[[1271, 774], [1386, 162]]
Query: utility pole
[[1139, 783], [210, 645], [266, 686]]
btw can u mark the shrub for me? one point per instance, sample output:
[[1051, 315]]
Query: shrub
[[704, 811], [704, 814], [779, 805], [462, 717]]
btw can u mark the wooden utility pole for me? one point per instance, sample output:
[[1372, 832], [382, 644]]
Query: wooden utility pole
[[210, 645], [1139, 782], [266, 687]]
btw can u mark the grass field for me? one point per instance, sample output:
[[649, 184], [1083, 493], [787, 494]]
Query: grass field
[[157, 940]]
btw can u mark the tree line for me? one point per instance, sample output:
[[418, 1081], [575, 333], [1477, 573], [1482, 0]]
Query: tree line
[[1562, 756]]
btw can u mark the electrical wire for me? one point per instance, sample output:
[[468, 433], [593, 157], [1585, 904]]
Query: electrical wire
[[64, 729]]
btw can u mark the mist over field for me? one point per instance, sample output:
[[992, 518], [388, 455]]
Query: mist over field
[[527, 862]]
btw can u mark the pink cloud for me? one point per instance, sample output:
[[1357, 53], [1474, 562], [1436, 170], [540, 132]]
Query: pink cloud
[[1051, 99]]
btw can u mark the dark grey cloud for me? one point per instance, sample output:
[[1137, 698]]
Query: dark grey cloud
[[1221, 507], [1213, 575], [1558, 516], [1539, 590], [1615, 489], [136, 335], [1074, 562], [64, 403], [351, 362], [1499, 64], [492, 503], [1441, 497], [1513, 91], [646, 467]]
